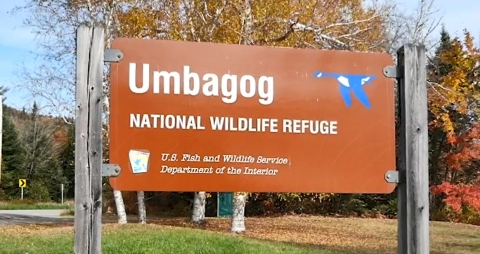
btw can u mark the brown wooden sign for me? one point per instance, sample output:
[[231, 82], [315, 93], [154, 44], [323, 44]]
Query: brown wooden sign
[[188, 116]]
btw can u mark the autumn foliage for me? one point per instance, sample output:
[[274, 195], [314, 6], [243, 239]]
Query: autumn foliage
[[454, 95], [453, 82], [453, 91]]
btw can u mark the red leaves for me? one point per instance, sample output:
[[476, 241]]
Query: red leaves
[[451, 138], [459, 195], [459, 192], [466, 149]]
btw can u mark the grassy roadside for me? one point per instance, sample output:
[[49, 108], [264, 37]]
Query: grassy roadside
[[149, 239], [287, 234], [70, 211], [33, 206]]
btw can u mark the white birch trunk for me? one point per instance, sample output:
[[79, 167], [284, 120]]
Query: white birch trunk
[[240, 198], [238, 217], [198, 212], [142, 212], [122, 215], [109, 24]]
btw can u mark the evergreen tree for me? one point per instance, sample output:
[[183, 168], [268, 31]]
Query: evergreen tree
[[67, 162], [12, 159], [23, 113], [52, 177], [41, 163], [437, 67]]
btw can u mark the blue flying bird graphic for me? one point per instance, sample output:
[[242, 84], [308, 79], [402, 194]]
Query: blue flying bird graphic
[[350, 82], [137, 162]]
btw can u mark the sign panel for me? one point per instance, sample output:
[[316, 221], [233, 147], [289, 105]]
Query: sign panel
[[189, 116], [22, 183]]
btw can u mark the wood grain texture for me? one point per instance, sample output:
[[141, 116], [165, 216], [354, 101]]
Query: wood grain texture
[[413, 203], [88, 140]]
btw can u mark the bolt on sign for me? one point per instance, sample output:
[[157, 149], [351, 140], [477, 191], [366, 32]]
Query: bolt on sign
[[190, 116]]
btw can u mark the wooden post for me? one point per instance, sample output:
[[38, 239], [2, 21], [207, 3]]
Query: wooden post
[[88, 140], [413, 192]]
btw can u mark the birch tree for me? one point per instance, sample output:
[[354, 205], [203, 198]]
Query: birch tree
[[54, 22], [240, 198], [198, 211], [138, 19], [373, 26], [327, 24], [414, 26]]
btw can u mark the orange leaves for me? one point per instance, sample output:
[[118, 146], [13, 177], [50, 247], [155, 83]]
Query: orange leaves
[[461, 186], [451, 138], [453, 95], [60, 136], [465, 149], [458, 196]]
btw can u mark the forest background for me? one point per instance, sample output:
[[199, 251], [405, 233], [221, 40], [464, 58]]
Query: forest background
[[40, 146]]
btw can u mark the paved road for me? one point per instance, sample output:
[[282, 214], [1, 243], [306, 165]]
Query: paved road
[[22, 217]]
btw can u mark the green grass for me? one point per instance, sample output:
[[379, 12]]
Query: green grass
[[32, 206], [148, 239], [276, 235]]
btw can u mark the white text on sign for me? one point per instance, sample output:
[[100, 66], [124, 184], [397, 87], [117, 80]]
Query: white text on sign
[[229, 86], [233, 124]]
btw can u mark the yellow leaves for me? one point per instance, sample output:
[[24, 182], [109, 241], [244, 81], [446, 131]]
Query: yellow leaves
[[139, 21], [456, 90], [323, 24], [463, 60], [447, 123], [332, 24], [469, 44], [347, 23], [350, 22], [270, 26]]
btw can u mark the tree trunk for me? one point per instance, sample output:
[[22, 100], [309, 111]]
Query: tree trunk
[[198, 213], [122, 215], [142, 212], [240, 198], [238, 218]]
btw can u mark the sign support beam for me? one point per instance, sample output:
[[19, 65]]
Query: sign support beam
[[89, 169], [413, 192]]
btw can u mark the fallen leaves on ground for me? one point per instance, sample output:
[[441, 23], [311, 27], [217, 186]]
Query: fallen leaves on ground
[[336, 233], [371, 235]]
